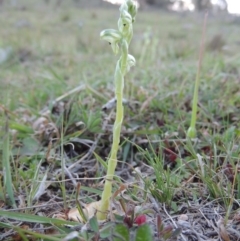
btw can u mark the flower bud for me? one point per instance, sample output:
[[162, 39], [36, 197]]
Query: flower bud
[[113, 37], [132, 8], [191, 133], [126, 17], [130, 62], [123, 7], [125, 23]]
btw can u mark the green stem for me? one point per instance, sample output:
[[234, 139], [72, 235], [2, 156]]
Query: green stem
[[192, 129], [123, 37], [112, 161]]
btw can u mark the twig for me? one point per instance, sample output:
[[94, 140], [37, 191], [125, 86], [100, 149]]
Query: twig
[[7, 111], [73, 91], [174, 223]]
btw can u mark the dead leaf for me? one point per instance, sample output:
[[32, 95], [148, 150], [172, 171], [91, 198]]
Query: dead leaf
[[22, 201], [222, 230], [51, 231], [147, 102], [237, 216], [90, 210], [61, 216], [122, 188]]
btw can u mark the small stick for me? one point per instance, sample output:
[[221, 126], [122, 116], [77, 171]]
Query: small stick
[[73, 91], [164, 208]]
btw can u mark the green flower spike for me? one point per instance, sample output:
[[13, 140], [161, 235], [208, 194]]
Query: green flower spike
[[120, 38], [113, 37]]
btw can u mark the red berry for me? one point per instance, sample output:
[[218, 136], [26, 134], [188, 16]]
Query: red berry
[[140, 219]]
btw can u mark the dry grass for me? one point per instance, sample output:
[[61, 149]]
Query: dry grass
[[193, 185]]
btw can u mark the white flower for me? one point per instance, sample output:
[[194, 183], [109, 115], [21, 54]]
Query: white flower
[[130, 62], [126, 17], [125, 23], [113, 37]]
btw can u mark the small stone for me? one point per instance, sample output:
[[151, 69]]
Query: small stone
[[183, 217]]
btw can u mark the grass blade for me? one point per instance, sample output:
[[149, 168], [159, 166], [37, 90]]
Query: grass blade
[[35, 219], [8, 185], [34, 234]]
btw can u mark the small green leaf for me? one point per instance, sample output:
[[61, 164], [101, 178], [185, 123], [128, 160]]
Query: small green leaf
[[91, 190], [106, 231], [192, 132], [118, 218], [238, 186], [20, 127], [176, 232], [166, 236], [30, 147], [126, 149], [174, 206], [229, 134], [144, 233], [102, 162], [122, 232], [79, 206], [94, 224], [85, 235]]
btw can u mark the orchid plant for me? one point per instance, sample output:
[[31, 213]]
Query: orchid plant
[[119, 40]]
